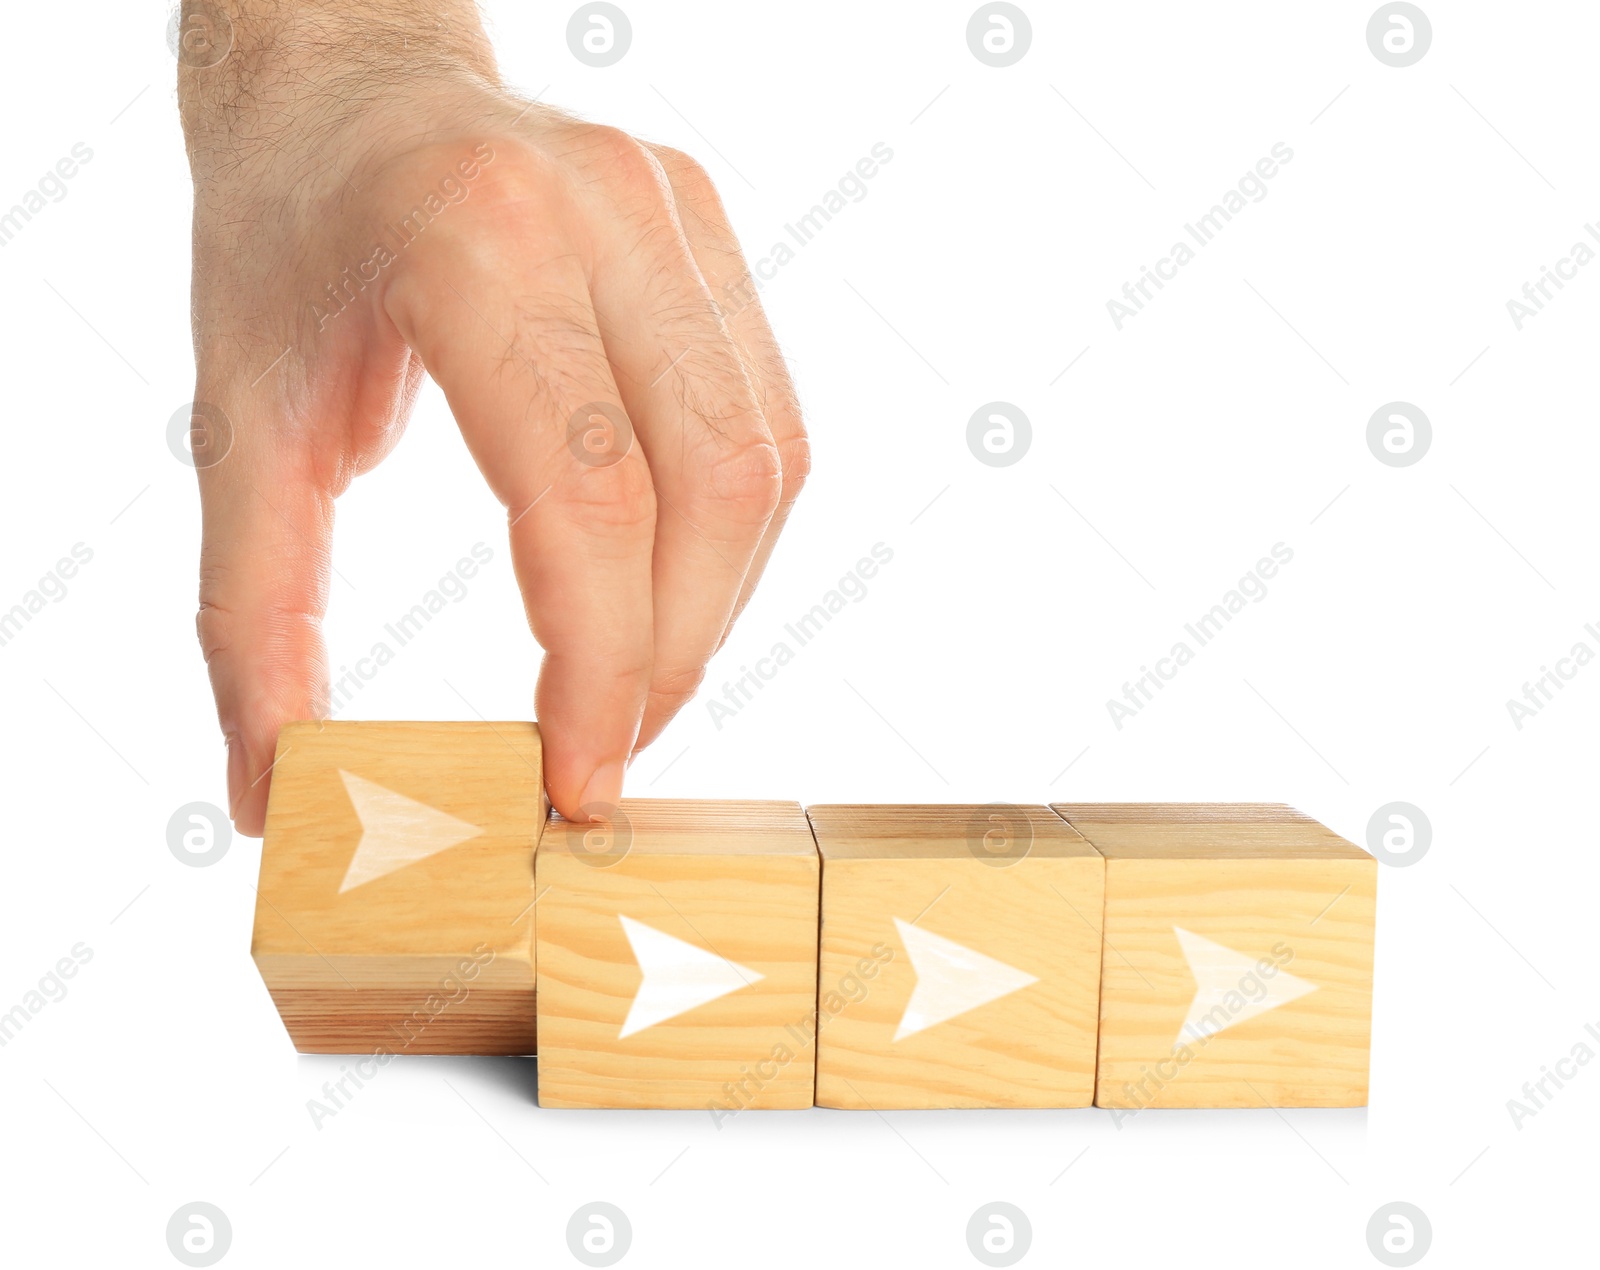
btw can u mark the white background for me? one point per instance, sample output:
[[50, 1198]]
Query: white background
[[1229, 416]]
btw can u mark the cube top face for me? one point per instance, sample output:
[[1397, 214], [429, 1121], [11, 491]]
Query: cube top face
[[992, 832], [390, 844], [1204, 831], [689, 826], [1237, 968], [677, 959], [957, 969]]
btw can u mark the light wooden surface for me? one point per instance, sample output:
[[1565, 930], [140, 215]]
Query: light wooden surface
[[734, 881], [1014, 885], [1204, 831], [1262, 882], [361, 949]]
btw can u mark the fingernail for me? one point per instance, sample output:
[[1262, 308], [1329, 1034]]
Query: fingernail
[[238, 771], [605, 786]]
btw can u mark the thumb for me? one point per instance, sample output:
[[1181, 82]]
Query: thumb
[[265, 563]]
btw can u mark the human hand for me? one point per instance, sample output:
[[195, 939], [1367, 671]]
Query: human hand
[[370, 201]]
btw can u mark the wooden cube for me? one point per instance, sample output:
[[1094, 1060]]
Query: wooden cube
[[395, 908], [1237, 969], [960, 957], [677, 955]]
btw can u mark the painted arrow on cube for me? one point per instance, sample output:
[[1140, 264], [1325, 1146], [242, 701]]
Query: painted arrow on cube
[[951, 979], [396, 831], [676, 976]]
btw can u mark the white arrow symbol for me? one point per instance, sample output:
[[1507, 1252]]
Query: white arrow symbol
[[1220, 973], [396, 831], [951, 979], [677, 976]]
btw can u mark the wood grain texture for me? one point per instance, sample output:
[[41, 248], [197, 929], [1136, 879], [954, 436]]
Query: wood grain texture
[[431, 956], [1204, 831], [737, 881], [1014, 884], [1268, 884]]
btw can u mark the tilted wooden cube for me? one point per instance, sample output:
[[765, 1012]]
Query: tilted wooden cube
[[960, 957], [1237, 969], [677, 955], [395, 907]]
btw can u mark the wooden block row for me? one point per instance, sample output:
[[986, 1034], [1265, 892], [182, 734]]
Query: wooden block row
[[736, 955]]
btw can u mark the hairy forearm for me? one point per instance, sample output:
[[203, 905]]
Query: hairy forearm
[[258, 76]]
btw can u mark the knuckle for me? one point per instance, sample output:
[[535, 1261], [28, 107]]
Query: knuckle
[[745, 482], [215, 623], [464, 227], [688, 177], [515, 173], [626, 165], [697, 200], [498, 177], [212, 626], [615, 500], [608, 663], [795, 452], [270, 611], [673, 687]]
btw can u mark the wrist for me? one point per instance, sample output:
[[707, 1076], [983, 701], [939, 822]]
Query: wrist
[[269, 77]]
